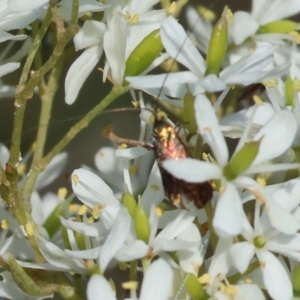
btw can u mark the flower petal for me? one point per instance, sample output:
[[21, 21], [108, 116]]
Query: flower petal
[[80, 70], [276, 279], [157, 281], [209, 128], [276, 136], [229, 215], [192, 170], [241, 254], [99, 288]]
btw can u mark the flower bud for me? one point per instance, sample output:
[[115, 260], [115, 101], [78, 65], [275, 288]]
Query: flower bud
[[130, 203], [296, 278], [242, 160], [141, 223], [217, 45], [281, 26], [289, 91], [144, 54], [189, 113], [194, 288]]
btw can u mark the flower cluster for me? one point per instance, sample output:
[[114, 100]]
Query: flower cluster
[[234, 84]]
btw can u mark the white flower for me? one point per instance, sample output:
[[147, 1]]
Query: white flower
[[245, 25], [248, 69], [156, 284], [117, 37], [262, 240], [275, 138]]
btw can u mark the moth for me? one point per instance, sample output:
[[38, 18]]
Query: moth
[[167, 144]]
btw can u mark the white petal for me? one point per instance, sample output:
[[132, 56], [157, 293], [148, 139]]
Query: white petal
[[241, 254], [276, 279], [116, 238], [191, 259], [131, 153], [91, 189], [8, 68], [154, 192], [136, 250], [209, 128], [5, 36], [243, 25], [114, 44], [229, 215], [94, 229], [156, 81], [80, 70], [192, 170], [58, 258], [84, 254], [4, 155], [90, 34], [180, 47], [211, 83], [157, 281], [251, 64], [52, 171], [99, 288], [276, 136], [248, 291], [20, 6], [21, 19]]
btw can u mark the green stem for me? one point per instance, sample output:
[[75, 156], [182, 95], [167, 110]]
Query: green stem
[[24, 91], [83, 123], [210, 215], [22, 214], [238, 276], [133, 271], [47, 96]]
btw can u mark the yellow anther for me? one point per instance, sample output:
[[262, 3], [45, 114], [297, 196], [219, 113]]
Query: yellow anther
[[29, 228], [158, 211], [62, 193], [261, 181], [204, 279], [231, 290], [75, 178], [257, 100], [296, 36], [206, 13], [82, 211], [270, 83], [172, 9], [74, 208], [122, 146], [130, 285], [248, 281], [133, 169], [4, 224], [134, 20], [95, 212]]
